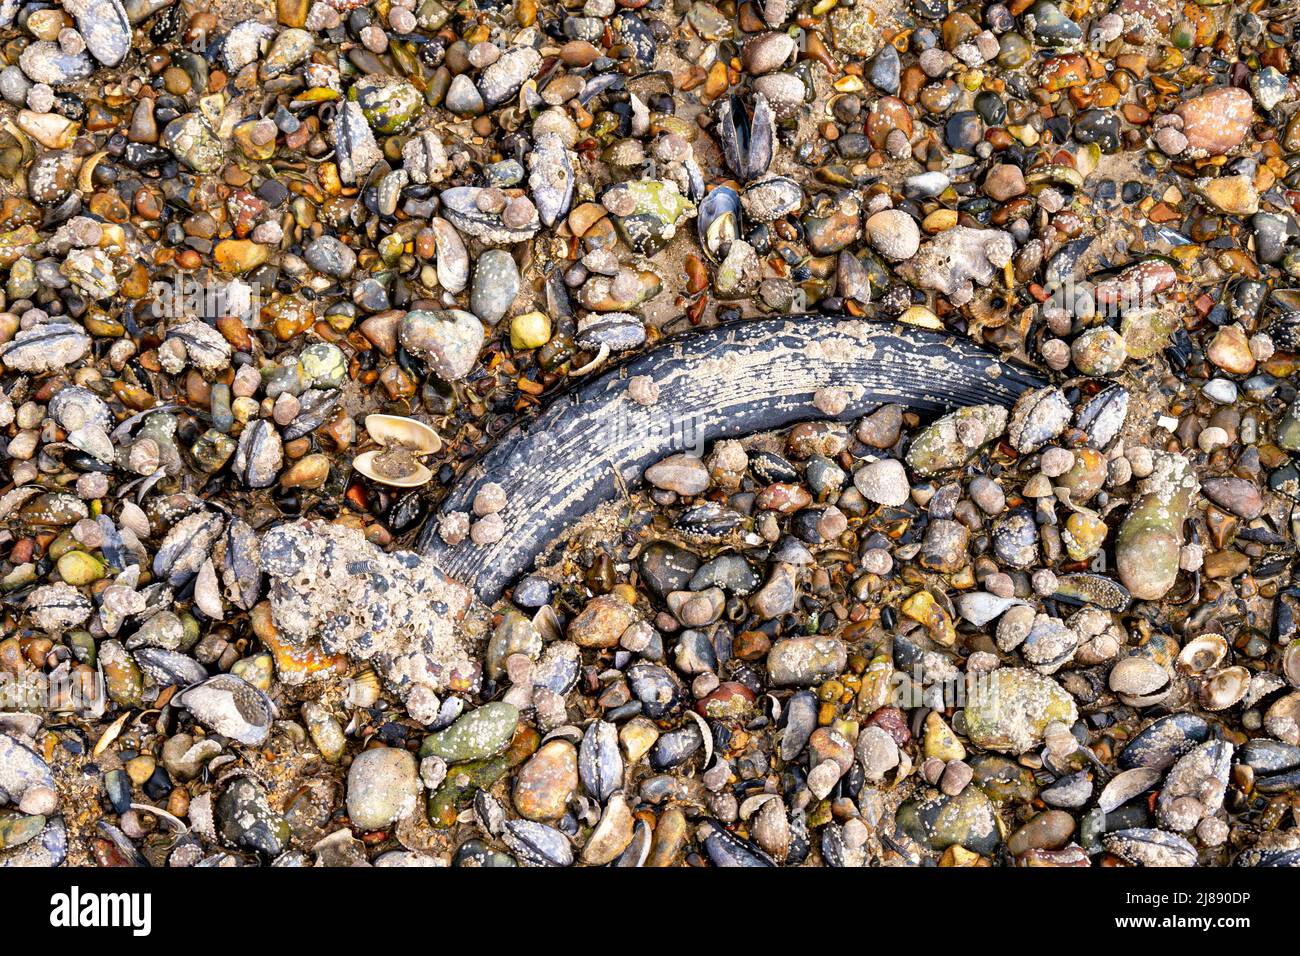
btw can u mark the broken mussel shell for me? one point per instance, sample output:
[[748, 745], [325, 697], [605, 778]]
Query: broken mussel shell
[[748, 141], [402, 441], [719, 221], [231, 707]]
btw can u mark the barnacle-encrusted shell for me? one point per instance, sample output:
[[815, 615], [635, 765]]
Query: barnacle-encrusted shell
[[232, 707]]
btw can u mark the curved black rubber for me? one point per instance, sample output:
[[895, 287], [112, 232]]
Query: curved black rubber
[[723, 382]]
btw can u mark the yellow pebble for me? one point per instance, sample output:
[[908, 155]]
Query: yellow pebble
[[531, 330]]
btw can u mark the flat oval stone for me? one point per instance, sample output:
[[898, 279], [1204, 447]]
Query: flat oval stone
[[1216, 122], [383, 787], [496, 284], [804, 661]]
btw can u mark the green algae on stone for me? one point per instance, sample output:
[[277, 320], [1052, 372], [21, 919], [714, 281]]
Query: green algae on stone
[[388, 103], [939, 821], [462, 781], [483, 732], [1150, 538], [953, 440], [1009, 709], [1002, 779], [192, 142], [1146, 331], [1288, 429], [656, 209], [17, 828]]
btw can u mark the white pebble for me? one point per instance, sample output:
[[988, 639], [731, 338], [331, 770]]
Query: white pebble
[[1220, 390], [1212, 438]]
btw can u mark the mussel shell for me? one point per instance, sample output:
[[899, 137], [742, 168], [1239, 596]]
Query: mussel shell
[[1065, 265], [476, 853], [460, 208], [836, 851], [1269, 756], [354, 143], [638, 851], [1127, 785], [772, 468], [1102, 416], [675, 747], [21, 768], [1285, 331], [259, 455], [1284, 782], [57, 607], [407, 512], [186, 546], [1015, 538], [619, 331], [659, 689], [558, 669], [708, 520], [1038, 416], [772, 198], [536, 844], [600, 764], [317, 405], [1085, 588], [488, 813], [748, 142], [719, 221], [551, 178], [1164, 740], [800, 722], [1257, 856], [241, 565], [729, 850], [166, 667], [548, 623]]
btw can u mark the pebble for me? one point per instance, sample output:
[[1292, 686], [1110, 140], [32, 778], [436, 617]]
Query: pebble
[[894, 234], [683, 474], [883, 481], [383, 787], [496, 285]]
